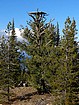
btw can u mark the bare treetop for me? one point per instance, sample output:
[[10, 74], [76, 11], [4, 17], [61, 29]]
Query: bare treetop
[[37, 16], [37, 13]]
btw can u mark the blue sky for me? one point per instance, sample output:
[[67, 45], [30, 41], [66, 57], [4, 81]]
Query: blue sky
[[18, 9]]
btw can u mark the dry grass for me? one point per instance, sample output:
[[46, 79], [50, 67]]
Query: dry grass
[[29, 96]]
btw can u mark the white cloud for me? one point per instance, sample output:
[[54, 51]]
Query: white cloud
[[17, 31], [18, 34], [2, 32]]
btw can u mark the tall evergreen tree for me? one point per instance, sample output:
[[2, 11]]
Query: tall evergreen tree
[[68, 71], [41, 43], [3, 63], [9, 60], [14, 53]]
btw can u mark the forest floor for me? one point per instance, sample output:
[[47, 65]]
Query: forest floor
[[29, 96]]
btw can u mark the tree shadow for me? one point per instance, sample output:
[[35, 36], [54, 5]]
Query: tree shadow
[[24, 97]]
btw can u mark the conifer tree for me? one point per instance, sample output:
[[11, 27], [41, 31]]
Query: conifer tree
[[9, 60], [13, 54], [3, 63], [67, 71], [40, 46]]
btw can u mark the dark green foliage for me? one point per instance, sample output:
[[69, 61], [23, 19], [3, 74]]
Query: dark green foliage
[[9, 60], [67, 72], [42, 39], [14, 65], [53, 65]]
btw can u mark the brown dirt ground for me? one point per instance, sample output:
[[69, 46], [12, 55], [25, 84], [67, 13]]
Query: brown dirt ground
[[29, 96]]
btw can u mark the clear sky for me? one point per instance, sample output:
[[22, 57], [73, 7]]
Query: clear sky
[[18, 9]]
